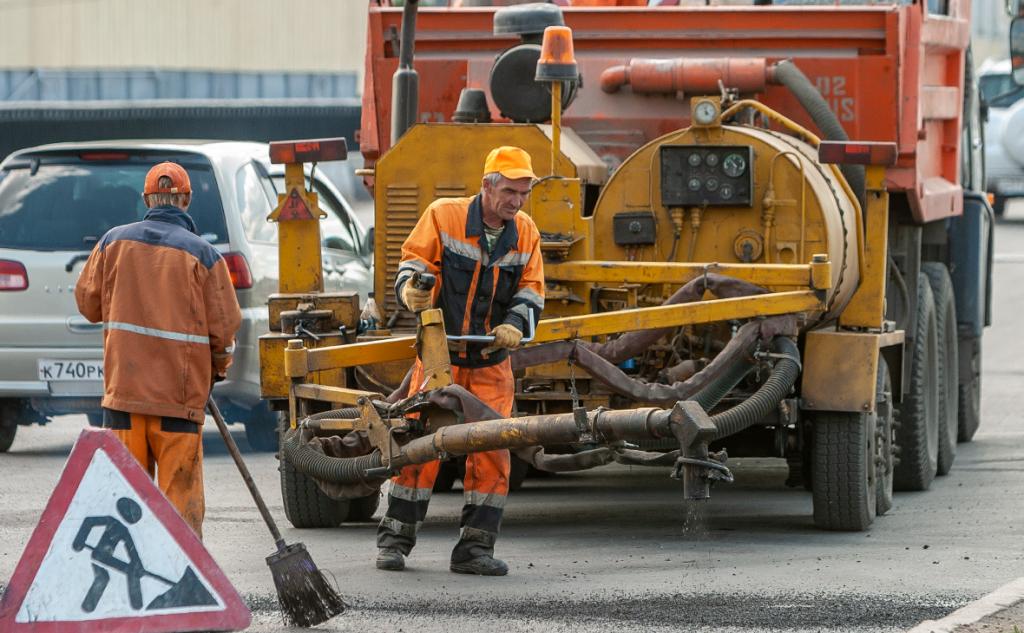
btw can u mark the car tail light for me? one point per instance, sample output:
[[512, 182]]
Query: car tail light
[[13, 275], [238, 268]]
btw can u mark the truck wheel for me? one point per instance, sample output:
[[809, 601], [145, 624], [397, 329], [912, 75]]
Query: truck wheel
[[305, 505], [362, 509], [845, 489], [446, 476], [885, 441], [917, 435], [945, 324], [969, 409], [261, 427], [8, 423]]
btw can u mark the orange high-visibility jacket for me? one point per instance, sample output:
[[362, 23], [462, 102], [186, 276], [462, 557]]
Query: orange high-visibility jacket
[[169, 314], [476, 290]]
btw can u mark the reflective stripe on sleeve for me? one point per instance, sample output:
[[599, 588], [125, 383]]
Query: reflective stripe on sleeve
[[528, 295]]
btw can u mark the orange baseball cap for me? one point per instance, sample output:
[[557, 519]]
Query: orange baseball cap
[[511, 162], [179, 179]]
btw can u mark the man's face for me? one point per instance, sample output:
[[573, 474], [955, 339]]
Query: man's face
[[506, 197]]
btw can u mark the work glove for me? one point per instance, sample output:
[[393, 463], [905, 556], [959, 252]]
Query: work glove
[[505, 337], [415, 299]]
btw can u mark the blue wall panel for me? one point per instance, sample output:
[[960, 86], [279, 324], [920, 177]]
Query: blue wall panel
[[119, 85]]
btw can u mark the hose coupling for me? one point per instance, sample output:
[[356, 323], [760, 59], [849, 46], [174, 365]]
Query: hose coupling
[[713, 468]]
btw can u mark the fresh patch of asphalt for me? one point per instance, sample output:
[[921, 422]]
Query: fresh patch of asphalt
[[821, 611]]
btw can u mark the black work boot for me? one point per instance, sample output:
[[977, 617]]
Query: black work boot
[[390, 559], [474, 554], [394, 542], [481, 566]]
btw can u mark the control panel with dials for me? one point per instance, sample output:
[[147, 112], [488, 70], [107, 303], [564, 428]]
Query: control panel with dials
[[711, 175]]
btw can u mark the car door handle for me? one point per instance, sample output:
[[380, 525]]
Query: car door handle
[[78, 325]]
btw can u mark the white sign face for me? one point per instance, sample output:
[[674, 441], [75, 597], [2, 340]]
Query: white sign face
[[110, 557]]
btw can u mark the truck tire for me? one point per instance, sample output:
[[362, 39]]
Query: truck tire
[[885, 431], [8, 423], [362, 509], [305, 505], [917, 431], [945, 324], [969, 401], [261, 427], [845, 490]]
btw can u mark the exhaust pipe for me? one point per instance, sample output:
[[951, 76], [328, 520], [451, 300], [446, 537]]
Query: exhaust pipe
[[405, 83]]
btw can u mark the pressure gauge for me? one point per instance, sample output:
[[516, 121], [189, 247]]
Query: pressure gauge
[[711, 160], [734, 165], [694, 184], [705, 112], [694, 159], [726, 191], [711, 184]]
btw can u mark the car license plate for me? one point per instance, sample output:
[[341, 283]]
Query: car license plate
[[51, 370]]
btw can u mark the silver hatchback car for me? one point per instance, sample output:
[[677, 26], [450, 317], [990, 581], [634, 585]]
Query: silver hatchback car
[[56, 201]]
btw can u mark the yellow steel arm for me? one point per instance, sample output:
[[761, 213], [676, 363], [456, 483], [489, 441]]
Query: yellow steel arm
[[572, 327], [815, 275]]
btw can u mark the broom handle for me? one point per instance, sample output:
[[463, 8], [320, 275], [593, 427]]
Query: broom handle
[[249, 483]]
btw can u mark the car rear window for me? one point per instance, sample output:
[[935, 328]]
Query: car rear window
[[68, 203]]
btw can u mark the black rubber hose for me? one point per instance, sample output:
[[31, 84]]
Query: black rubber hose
[[787, 74], [713, 393], [768, 396], [335, 470]]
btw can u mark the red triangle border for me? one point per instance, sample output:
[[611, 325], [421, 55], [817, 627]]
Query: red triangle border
[[234, 617]]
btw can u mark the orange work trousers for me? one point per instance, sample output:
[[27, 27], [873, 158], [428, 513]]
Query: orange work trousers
[[173, 447], [485, 484]]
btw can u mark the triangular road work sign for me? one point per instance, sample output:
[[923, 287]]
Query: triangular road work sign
[[111, 554], [295, 208]]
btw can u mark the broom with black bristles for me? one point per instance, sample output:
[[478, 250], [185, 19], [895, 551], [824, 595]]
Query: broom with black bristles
[[305, 596]]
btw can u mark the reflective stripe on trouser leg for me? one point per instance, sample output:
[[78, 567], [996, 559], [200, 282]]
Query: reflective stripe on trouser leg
[[486, 481], [407, 506], [177, 446]]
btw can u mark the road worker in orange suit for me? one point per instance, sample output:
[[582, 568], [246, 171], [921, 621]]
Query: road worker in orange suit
[[169, 317], [486, 256]]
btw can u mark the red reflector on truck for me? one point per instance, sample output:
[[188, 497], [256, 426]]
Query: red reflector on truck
[[238, 268], [310, 151], [13, 275], [857, 153]]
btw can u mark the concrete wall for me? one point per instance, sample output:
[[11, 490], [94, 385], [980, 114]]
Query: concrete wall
[[235, 35], [990, 27]]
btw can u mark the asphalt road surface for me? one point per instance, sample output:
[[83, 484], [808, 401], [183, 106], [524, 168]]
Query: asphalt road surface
[[615, 549]]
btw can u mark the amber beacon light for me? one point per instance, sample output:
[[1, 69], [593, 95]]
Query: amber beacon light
[[557, 60]]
